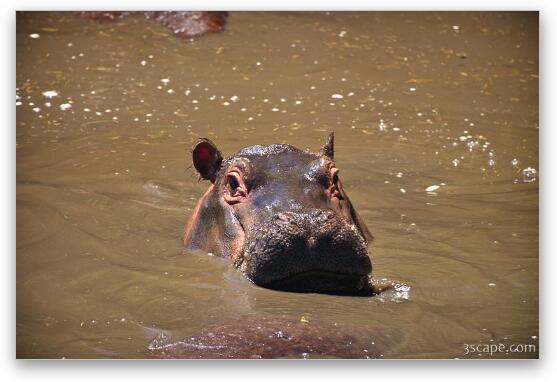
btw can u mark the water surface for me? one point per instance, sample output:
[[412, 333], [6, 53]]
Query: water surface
[[106, 116]]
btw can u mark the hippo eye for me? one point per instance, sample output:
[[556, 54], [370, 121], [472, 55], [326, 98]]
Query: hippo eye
[[233, 182], [333, 174], [234, 188], [335, 186], [335, 178]]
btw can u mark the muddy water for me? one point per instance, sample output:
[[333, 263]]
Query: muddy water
[[106, 114]]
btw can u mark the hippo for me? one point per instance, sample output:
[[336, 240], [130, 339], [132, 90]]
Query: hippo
[[182, 24], [269, 337], [283, 218]]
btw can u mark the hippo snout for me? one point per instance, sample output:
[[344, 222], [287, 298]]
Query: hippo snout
[[312, 250], [314, 216]]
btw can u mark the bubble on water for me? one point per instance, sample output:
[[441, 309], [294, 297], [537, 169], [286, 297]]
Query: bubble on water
[[412, 89], [342, 33], [305, 355], [515, 162], [382, 125], [50, 93], [455, 162], [399, 175], [234, 98], [472, 145], [18, 103], [274, 109], [170, 91], [36, 109], [34, 35], [165, 81], [529, 174], [463, 138], [432, 188], [403, 190], [491, 162], [455, 27], [337, 96]]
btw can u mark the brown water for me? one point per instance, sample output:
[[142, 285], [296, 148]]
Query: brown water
[[104, 183]]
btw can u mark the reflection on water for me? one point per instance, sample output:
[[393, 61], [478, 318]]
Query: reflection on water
[[436, 119]]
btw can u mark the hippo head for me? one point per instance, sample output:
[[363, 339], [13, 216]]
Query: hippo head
[[282, 216]]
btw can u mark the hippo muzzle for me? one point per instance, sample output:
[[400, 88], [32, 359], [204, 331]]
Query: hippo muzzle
[[282, 216], [307, 251]]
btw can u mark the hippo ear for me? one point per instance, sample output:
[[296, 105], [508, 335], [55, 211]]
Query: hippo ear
[[206, 159], [328, 149]]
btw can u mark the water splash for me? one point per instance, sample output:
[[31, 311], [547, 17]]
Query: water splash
[[529, 175]]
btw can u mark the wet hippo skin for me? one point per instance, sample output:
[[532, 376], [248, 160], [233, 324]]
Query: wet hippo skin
[[281, 215], [183, 24], [270, 337]]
